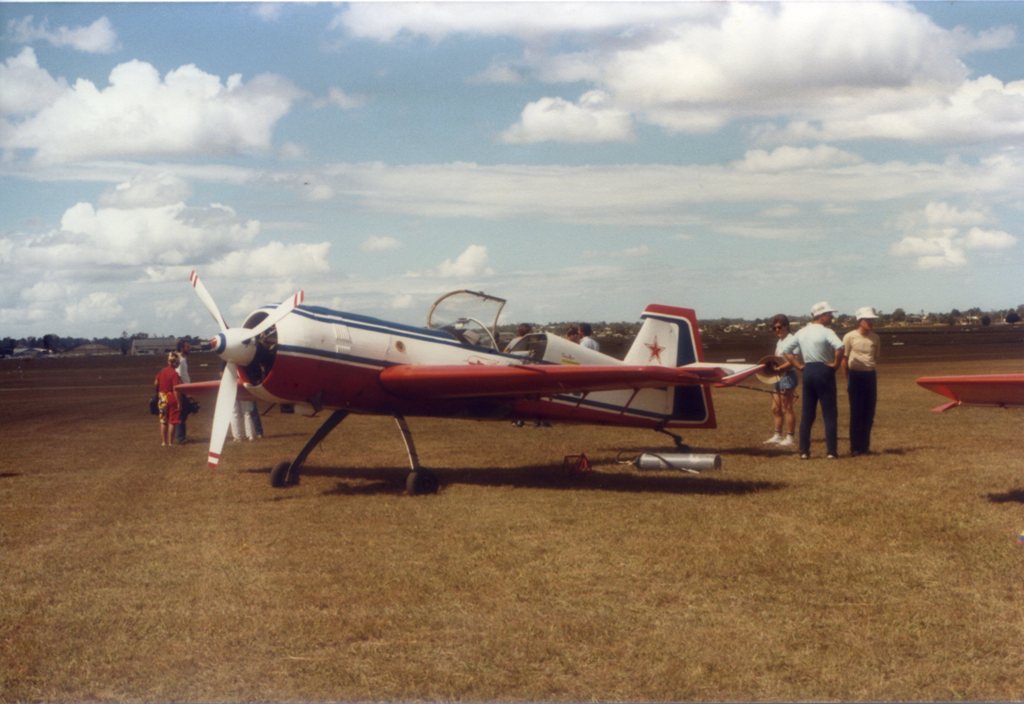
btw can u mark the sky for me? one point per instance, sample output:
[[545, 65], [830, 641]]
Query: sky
[[579, 160]]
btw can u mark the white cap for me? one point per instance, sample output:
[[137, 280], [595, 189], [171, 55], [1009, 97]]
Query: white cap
[[820, 308], [867, 312]]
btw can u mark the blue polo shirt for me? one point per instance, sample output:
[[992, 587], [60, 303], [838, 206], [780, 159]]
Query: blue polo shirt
[[815, 343]]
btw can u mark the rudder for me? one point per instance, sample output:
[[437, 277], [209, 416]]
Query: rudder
[[670, 337]]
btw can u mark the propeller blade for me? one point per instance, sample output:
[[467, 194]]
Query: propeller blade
[[207, 300], [286, 307], [222, 413]]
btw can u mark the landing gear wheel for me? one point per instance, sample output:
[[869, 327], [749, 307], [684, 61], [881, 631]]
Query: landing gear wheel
[[422, 481], [279, 475]]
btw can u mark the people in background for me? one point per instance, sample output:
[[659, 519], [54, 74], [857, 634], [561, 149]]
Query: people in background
[[817, 352], [184, 349], [522, 330], [784, 391], [860, 358], [242, 425], [586, 337], [167, 399]]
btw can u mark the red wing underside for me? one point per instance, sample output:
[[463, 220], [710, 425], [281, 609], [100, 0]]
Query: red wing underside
[[983, 389], [421, 381]]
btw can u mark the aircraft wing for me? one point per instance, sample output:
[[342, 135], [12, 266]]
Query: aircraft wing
[[983, 389], [467, 381]]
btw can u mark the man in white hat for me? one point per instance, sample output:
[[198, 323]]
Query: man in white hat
[[817, 351], [860, 348]]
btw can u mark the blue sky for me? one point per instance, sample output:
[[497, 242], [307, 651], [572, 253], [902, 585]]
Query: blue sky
[[580, 160]]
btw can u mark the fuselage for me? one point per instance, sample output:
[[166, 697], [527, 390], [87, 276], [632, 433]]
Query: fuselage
[[328, 359]]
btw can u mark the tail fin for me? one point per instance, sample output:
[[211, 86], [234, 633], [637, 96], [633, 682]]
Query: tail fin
[[670, 337]]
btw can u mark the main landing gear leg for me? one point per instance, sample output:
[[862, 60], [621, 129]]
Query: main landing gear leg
[[287, 473], [680, 445], [419, 481]]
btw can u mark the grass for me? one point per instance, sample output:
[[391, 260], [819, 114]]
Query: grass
[[130, 572]]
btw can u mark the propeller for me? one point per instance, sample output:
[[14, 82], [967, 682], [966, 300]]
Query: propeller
[[234, 346]]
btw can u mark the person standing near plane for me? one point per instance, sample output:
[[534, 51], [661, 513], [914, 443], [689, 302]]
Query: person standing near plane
[[184, 348], [167, 402], [820, 354], [586, 337], [784, 392], [522, 330], [861, 348]]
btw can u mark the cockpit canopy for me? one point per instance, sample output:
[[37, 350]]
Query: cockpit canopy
[[470, 316]]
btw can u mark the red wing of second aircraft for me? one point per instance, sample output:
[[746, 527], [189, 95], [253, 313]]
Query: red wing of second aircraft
[[982, 389]]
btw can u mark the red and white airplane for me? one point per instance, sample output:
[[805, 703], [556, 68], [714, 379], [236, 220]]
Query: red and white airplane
[[320, 359], [977, 389]]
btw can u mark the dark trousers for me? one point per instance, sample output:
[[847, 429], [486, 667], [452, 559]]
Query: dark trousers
[[862, 388], [819, 387], [179, 429]]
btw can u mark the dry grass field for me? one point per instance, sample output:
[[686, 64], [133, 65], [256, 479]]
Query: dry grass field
[[130, 572]]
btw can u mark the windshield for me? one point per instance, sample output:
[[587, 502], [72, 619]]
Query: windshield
[[469, 315]]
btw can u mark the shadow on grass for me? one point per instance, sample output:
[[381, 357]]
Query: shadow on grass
[[770, 451], [1014, 496], [391, 480], [9, 475]]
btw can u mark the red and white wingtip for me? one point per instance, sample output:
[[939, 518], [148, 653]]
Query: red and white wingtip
[[212, 460]]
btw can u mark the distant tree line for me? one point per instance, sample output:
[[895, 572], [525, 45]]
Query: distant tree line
[[56, 343]]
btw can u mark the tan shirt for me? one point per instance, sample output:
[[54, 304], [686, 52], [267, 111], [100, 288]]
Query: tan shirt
[[861, 350]]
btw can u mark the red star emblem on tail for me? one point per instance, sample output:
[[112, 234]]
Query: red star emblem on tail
[[655, 349]]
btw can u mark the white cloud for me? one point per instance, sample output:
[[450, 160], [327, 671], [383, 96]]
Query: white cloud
[[665, 194], [979, 110], [402, 302], [978, 238], [936, 239], [268, 11], [817, 71], [97, 307], [290, 151], [554, 119], [346, 101], [188, 111], [792, 158], [147, 189], [25, 87], [96, 38], [472, 262], [498, 73], [45, 292], [388, 21], [130, 237], [273, 260], [377, 243], [786, 210]]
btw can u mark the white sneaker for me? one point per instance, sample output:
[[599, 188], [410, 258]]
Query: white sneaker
[[787, 441], [773, 440]]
